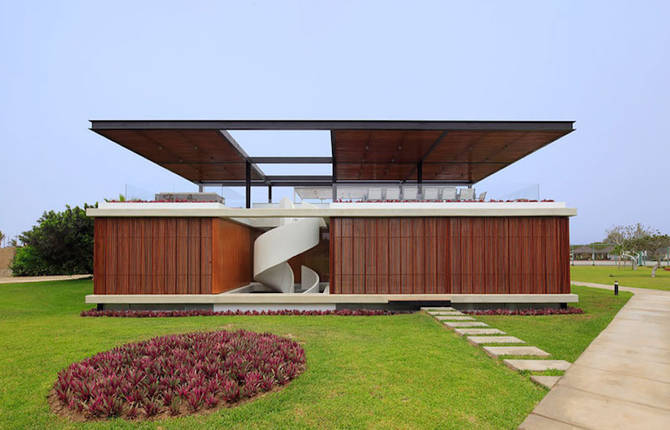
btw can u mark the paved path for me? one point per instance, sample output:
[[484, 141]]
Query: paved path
[[622, 380], [22, 279]]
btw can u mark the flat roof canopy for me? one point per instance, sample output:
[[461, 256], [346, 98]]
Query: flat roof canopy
[[447, 152]]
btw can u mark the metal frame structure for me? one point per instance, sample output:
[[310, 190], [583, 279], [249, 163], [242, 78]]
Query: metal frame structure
[[251, 163]]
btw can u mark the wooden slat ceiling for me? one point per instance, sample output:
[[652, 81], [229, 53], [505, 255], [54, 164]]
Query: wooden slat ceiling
[[459, 156], [462, 152], [197, 155]]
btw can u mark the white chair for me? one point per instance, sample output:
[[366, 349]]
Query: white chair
[[409, 192], [430, 193], [392, 193], [375, 194], [482, 196], [467, 194], [449, 193]]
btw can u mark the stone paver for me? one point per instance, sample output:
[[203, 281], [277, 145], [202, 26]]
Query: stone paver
[[545, 380], [537, 365], [447, 308], [480, 340], [466, 331], [24, 279], [454, 318], [497, 351], [622, 380], [454, 324]]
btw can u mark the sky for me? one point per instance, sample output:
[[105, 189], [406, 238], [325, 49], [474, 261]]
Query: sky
[[605, 65]]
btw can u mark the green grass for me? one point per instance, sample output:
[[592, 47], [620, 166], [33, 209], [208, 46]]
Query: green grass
[[402, 371], [640, 278], [564, 336]]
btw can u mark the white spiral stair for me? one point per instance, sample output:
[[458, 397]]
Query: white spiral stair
[[274, 248]]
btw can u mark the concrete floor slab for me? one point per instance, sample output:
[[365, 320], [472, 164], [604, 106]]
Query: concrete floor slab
[[625, 364], [498, 351], [466, 331], [480, 340], [591, 411], [537, 365], [454, 324], [545, 380], [534, 421], [622, 380], [444, 308], [440, 313], [621, 387], [454, 318]]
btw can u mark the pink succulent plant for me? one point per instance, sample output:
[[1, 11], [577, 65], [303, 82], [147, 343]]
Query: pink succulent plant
[[178, 373]]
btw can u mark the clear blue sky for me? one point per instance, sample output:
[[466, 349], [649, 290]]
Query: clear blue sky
[[604, 64]]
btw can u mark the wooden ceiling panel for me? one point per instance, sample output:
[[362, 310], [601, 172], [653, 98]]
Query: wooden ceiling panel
[[456, 151]]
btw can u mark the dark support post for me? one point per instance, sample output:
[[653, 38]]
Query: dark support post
[[247, 179], [269, 193], [419, 178], [616, 288]]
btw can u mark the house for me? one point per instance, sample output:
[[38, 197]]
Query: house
[[398, 223]]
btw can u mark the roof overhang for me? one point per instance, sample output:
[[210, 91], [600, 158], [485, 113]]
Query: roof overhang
[[444, 152]]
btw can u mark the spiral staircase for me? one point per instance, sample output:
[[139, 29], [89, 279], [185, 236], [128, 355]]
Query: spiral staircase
[[274, 248]]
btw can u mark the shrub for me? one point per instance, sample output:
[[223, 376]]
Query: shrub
[[202, 312], [526, 312], [173, 375], [60, 244]]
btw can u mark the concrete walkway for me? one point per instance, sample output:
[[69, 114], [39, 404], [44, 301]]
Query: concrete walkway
[[622, 380], [23, 279]]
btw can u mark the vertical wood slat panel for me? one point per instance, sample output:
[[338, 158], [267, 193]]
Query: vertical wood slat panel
[[497, 255], [100, 235], [149, 255]]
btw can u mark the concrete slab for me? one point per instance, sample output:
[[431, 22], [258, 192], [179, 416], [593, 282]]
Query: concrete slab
[[436, 313], [480, 340], [537, 365], [444, 308], [631, 365], [466, 331], [591, 411], [454, 324], [534, 421], [497, 351], [545, 380], [622, 380], [622, 387], [454, 318]]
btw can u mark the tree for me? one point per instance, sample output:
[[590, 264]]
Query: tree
[[60, 244], [623, 238], [2, 237], [656, 245]]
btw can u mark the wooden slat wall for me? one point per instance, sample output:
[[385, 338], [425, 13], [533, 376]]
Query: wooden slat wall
[[459, 255], [170, 255]]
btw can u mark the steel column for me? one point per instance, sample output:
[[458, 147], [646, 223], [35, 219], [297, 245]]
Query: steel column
[[247, 180]]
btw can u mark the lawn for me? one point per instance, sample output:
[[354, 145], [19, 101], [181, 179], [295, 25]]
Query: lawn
[[640, 278], [403, 371]]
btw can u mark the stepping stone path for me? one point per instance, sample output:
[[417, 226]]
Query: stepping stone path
[[480, 334], [453, 324], [545, 380], [537, 365], [497, 351], [467, 331], [479, 340], [454, 318]]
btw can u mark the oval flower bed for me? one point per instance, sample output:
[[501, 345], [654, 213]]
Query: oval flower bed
[[176, 375]]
